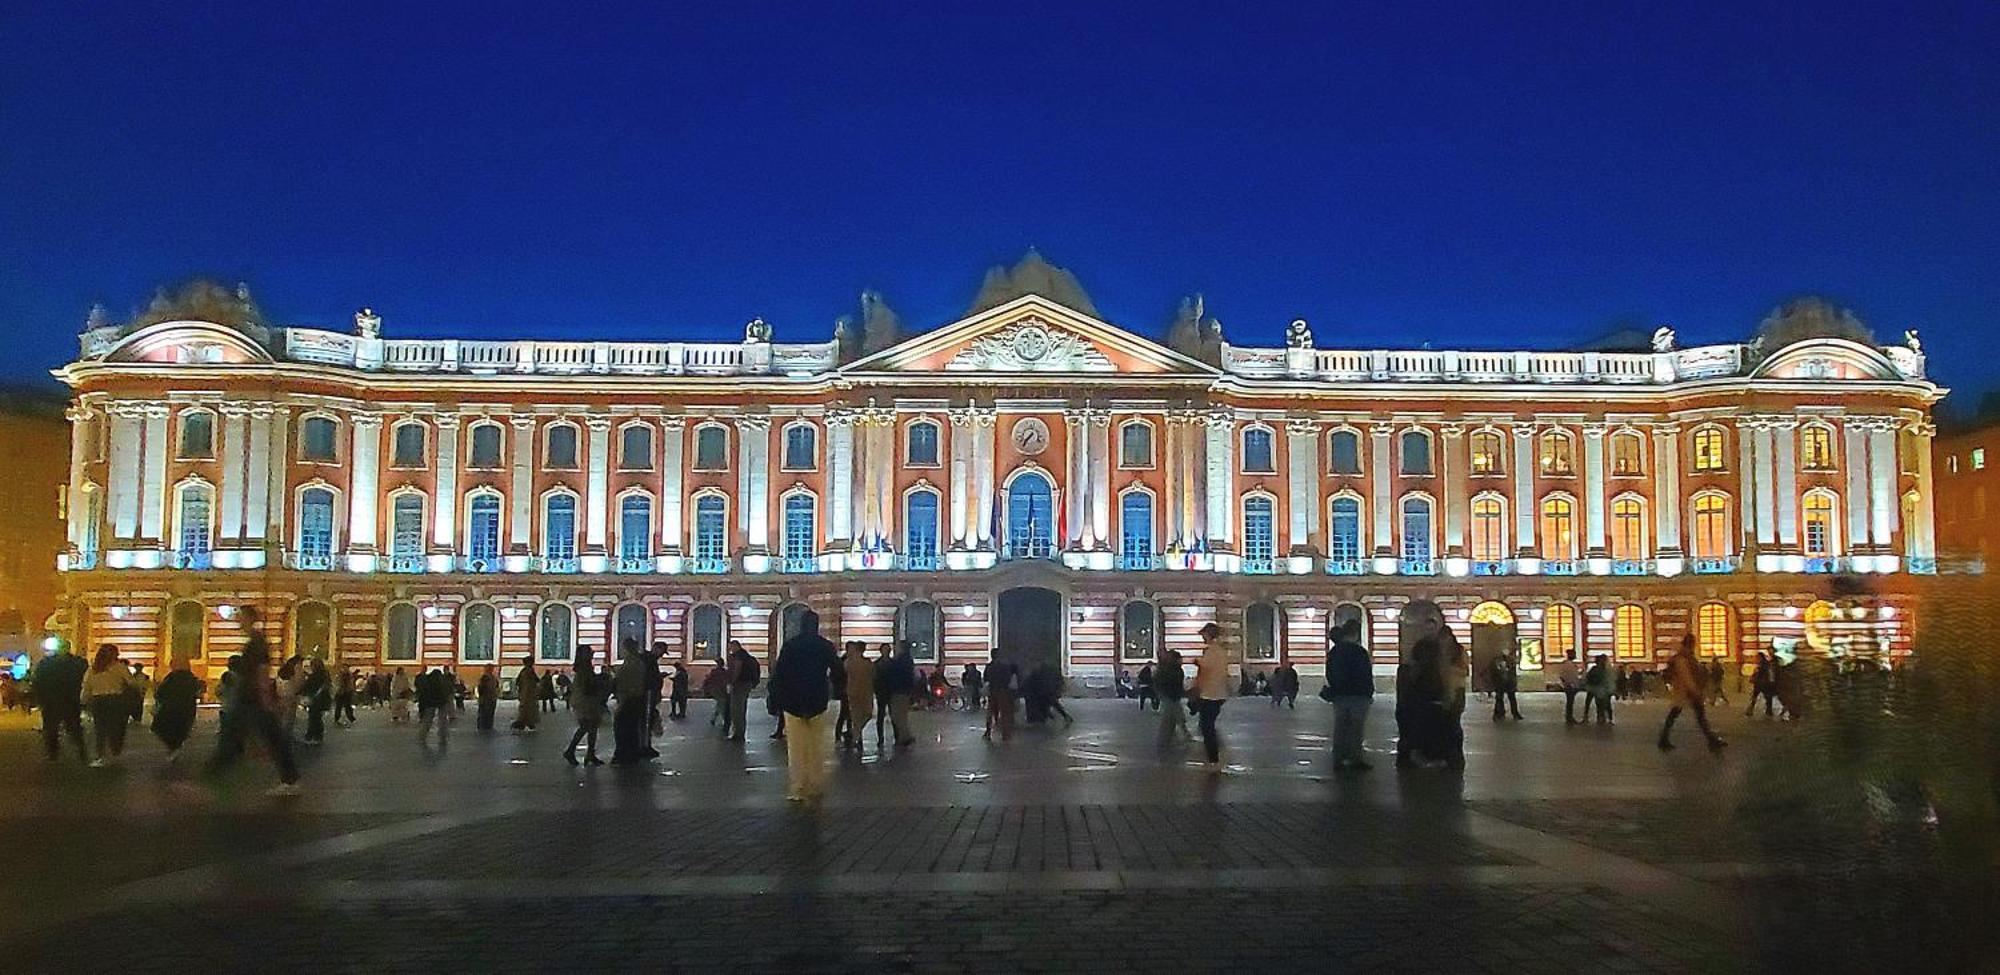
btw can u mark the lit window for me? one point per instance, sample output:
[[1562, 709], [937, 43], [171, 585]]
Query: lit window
[[711, 542], [1819, 541], [1979, 458], [1344, 529], [559, 527], [1711, 526], [197, 440], [917, 623], [711, 448], [1259, 453], [1558, 529], [1486, 453], [1558, 454], [801, 531], [635, 448], [1416, 529], [195, 533], [477, 632], [482, 530], [1416, 453], [801, 447], [316, 528], [1343, 451], [1708, 449], [1138, 631], [635, 529], [1135, 529], [408, 448], [1816, 448], [1559, 632], [1489, 530], [1627, 455], [1260, 544], [317, 438], [1030, 517], [1261, 631], [1715, 630], [1628, 632], [1135, 445], [485, 446], [560, 452], [553, 638], [406, 526], [708, 627], [920, 530], [923, 447], [1628, 529]]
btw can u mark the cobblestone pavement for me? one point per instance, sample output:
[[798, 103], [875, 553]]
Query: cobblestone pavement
[[1088, 846]]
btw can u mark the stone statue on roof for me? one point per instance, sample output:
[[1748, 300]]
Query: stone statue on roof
[[1298, 335], [1663, 339]]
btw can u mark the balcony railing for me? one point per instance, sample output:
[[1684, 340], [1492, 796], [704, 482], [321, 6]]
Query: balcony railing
[[1031, 548], [310, 561], [561, 563], [1632, 567], [1416, 567], [630, 564], [917, 561], [403, 563], [708, 564], [1714, 566], [1346, 567], [1138, 562], [1492, 567], [1820, 564], [791, 562], [1260, 566], [1562, 567], [1922, 565], [191, 560], [479, 563]]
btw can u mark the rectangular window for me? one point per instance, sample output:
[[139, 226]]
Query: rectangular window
[[408, 450], [1344, 452], [711, 449], [1259, 453], [1135, 445], [406, 530], [316, 439], [923, 451], [921, 528], [560, 454], [635, 448], [197, 435], [1344, 533], [1559, 632], [1979, 458], [1260, 547], [801, 448]]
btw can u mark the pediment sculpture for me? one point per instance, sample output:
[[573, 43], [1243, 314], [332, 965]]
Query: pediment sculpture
[[1031, 345]]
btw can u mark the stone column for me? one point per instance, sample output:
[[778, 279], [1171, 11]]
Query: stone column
[[1667, 489], [364, 492], [1173, 538], [122, 487], [257, 470], [597, 487], [1302, 482], [80, 417], [1524, 490], [235, 428], [756, 502], [673, 467], [153, 486], [1379, 435], [840, 478], [273, 529], [1884, 508], [1763, 449], [1076, 465], [1920, 539], [521, 493], [1854, 460], [444, 502], [986, 420], [1452, 466], [961, 475], [1100, 480], [886, 459], [1593, 491], [1221, 480]]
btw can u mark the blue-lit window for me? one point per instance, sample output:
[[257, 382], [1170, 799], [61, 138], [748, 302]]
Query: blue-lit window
[[1135, 529], [923, 449], [195, 532], [920, 530], [635, 528], [1259, 452], [1416, 529], [482, 530], [406, 526], [477, 633], [711, 542], [553, 639], [315, 528], [1260, 545], [801, 532], [559, 527], [1030, 517], [801, 447], [1344, 529], [707, 628]]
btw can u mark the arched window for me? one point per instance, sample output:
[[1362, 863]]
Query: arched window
[[1822, 539], [630, 623], [406, 526], [1711, 526], [801, 447], [1816, 447], [1260, 454], [197, 436], [1417, 542], [1135, 445], [711, 447], [1714, 630], [1559, 632], [1416, 446], [1488, 453], [1628, 454], [1260, 540], [194, 530], [319, 439], [1138, 631], [555, 634], [1135, 530], [400, 627], [1489, 529], [918, 622], [1344, 614], [1343, 452], [559, 447], [635, 447], [186, 626], [1628, 529], [711, 536], [1263, 631], [485, 446], [921, 450], [315, 542], [790, 621], [407, 444], [478, 634], [1558, 529], [1343, 529], [312, 629], [635, 533], [1030, 517], [801, 535], [708, 628], [1628, 633], [559, 531], [482, 532], [920, 530], [1558, 454], [1709, 448]]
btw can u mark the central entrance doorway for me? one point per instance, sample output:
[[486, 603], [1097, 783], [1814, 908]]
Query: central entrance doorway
[[1031, 628]]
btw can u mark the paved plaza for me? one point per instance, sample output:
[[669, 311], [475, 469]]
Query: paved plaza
[[1080, 847]]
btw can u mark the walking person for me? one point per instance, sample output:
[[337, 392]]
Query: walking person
[[434, 705], [902, 684], [1350, 688], [1506, 678], [587, 703], [343, 697], [1211, 688], [628, 716], [677, 699], [744, 675], [106, 689], [972, 680], [801, 683], [527, 696], [1686, 685], [1599, 688], [1763, 683], [1570, 678], [885, 658], [1716, 693], [1000, 675], [136, 691], [842, 719], [58, 685], [487, 695], [316, 691], [858, 684], [251, 708], [715, 687], [548, 693], [174, 702], [655, 681], [1170, 683], [291, 674], [401, 692]]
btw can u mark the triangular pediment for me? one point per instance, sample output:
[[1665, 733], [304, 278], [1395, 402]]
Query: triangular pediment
[[1034, 335]]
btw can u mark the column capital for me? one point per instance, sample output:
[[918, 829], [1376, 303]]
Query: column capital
[[450, 421], [1523, 429], [524, 423], [1073, 418], [1302, 426], [366, 419], [753, 423], [1382, 428], [596, 422], [1923, 428], [1452, 430], [1596, 431], [1667, 429], [962, 417]]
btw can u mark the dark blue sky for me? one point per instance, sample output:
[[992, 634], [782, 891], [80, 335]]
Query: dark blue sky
[[1519, 175]]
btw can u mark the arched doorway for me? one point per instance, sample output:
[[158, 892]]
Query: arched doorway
[[1493, 637], [1031, 628], [312, 630]]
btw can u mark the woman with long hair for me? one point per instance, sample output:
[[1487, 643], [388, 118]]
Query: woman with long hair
[[586, 700], [104, 692]]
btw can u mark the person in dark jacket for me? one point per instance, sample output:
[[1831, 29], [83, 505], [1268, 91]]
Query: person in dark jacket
[[886, 656], [743, 678], [316, 693], [527, 696], [901, 681], [488, 695], [972, 680], [58, 685], [1145, 688], [802, 683], [656, 679], [1000, 677], [174, 702], [434, 689], [628, 717], [677, 701], [1350, 688], [1506, 678], [1170, 682]]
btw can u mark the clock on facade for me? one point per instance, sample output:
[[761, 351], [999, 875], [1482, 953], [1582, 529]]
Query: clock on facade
[[1031, 436]]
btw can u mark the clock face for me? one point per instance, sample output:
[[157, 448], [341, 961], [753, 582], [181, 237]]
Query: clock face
[[1031, 436]]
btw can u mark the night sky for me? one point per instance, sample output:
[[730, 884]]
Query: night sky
[[1518, 175]]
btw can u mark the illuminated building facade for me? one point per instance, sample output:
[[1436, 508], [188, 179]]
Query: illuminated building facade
[[1028, 479]]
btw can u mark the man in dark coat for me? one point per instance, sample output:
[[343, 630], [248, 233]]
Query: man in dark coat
[[801, 684]]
